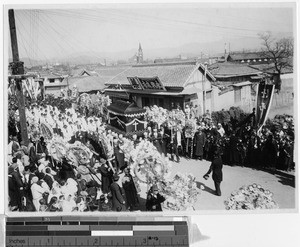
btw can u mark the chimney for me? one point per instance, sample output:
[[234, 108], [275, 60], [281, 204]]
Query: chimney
[[225, 49]]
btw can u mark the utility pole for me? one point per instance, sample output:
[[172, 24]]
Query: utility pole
[[18, 74], [204, 89]]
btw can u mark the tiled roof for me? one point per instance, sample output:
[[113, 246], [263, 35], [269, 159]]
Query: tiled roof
[[56, 84], [101, 71], [45, 74], [170, 74], [246, 56], [270, 68], [76, 72], [110, 70], [231, 69], [87, 83]]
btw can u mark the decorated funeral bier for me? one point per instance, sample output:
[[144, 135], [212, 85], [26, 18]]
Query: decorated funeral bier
[[126, 117]]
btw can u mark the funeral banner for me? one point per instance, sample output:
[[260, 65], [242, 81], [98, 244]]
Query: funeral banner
[[263, 103]]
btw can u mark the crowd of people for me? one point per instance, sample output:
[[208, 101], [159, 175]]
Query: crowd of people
[[39, 182], [240, 144]]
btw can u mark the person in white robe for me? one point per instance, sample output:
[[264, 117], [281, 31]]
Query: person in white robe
[[37, 192]]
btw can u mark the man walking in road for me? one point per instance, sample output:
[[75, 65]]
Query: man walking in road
[[216, 169]]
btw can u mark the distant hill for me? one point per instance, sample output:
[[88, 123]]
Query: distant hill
[[193, 49], [190, 50]]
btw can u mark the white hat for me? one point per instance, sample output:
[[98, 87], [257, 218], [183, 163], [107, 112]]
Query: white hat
[[35, 179]]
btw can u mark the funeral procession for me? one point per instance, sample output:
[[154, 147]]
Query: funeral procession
[[149, 109]]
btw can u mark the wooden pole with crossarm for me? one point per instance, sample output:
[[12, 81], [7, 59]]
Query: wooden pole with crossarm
[[17, 68]]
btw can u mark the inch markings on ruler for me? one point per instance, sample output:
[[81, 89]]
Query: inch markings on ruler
[[97, 231]]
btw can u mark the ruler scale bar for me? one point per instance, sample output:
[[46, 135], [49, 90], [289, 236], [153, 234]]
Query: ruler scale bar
[[111, 227], [26, 228], [88, 231], [48, 233], [153, 228], [112, 233]]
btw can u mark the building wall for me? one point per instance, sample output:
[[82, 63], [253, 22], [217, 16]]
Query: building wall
[[246, 101], [54, 87], [54, 90], [223, 101], [199, 81], [239, 97], [56, 81]]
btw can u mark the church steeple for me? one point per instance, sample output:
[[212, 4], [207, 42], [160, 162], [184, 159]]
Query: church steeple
[[140, 54]]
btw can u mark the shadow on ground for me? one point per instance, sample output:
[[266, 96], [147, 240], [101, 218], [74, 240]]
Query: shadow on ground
[[207, 189], [283, 177]]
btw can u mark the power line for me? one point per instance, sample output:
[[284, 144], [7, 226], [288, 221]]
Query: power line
[[196, 23], [29, 43], [57, 42], [23, 46], [25, 40], [44, 30], [43, 18], [73, 38], [153, 21]]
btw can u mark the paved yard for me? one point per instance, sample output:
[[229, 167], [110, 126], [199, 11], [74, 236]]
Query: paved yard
[[280, 183]]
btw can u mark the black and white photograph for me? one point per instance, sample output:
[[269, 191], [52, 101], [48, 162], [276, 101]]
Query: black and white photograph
[[129, 108]]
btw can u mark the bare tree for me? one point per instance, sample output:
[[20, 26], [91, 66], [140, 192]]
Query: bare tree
[[280, 51]]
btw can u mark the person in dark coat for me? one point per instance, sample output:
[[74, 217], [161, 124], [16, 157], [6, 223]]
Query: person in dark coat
[[154, 199], [106, 174], [199, 143], [66, 170], [119, 156], [33, 158], [118, 201], [156, 141], [48, 178], [216, 169], [135, 140], [41, 148], [130, 190], [175, 143], [15, 187], [104, 203], [162, 141], [270, 153], [234, 153], [289, 161]]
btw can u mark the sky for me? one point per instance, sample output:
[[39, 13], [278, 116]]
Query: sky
[[45, 32]]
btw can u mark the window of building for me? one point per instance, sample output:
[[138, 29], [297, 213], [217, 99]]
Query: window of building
[[51, 80]]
